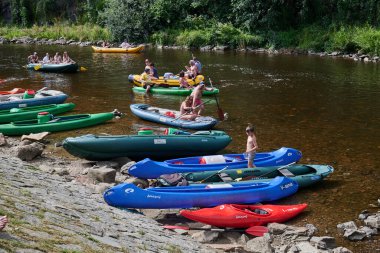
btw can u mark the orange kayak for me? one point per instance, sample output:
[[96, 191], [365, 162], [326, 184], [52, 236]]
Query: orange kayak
[[11, 92], [118, 49], [244, 216]]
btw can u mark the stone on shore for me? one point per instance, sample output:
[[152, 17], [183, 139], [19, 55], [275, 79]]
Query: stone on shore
[[342, 227], [341, 250], [354, 234], [103, 174], [373, 221], [35, 137], [29, 152], [205, 236], [3, 140], [259, 245], [124, 169], [324, 242]]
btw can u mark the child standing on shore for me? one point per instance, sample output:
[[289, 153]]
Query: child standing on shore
[[251, 145]]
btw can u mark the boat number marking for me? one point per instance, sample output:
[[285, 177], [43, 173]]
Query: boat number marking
[[286, 186], [241, 217], [221, 207], [22, 105], [239, 171], [129, 190], [204, 140], [281, 160], [162, 119], [159, 141]]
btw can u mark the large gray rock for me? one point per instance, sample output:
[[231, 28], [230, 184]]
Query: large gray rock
[[29, 152], [110, 164], [311, 229], [306, 247], [373, 221], [277, 228], [259, 245], [205, 236], [324, 242], [103, 174], [341, 250], [342, 227], [368, 231], [125, 168], [3, 141], [354, 234]]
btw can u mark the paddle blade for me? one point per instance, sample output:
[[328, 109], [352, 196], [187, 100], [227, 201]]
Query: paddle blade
[[37, 67], [220, 114], [257, 230], [176, 227], [83, 69]]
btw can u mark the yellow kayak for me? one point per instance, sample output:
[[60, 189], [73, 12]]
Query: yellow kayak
[[135, 79], [118, 49]]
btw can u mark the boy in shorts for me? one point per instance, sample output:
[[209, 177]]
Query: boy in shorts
[[251, 145]]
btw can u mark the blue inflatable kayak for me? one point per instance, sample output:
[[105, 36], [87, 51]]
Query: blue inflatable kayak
[[45, 97], [171, 118], [151, 169], [202, 195]]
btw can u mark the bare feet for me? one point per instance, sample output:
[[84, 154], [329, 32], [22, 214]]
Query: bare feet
[[3, 222]]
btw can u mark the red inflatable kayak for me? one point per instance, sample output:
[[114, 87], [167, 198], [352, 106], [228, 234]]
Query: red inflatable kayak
[[244, 216]]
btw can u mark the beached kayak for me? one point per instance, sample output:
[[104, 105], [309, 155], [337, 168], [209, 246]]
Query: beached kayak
[[177, 143], [304, 175], [153, 169], [165, 82], [54, 124], [173, 91], [171, 118], [244, 216], [44, 97], [17, 114], [11, 92], [131, 196], [118, 49], [56, 68]]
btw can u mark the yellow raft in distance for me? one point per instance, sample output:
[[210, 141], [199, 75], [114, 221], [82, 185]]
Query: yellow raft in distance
[[118, 49]]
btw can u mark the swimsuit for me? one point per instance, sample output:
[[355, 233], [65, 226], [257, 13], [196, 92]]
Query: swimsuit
[[198, 101]]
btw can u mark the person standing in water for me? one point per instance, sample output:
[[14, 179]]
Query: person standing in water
[[250, 151]]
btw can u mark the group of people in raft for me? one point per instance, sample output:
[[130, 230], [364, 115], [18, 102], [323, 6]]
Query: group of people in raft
[[56, 59], [192, 106]]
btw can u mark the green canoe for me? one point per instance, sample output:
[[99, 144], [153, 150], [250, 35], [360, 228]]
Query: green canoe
[[304, 175], [173, 91], [55, 124], [25, 113]]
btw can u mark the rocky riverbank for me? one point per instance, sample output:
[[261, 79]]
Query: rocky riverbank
[[358, 56], [55, 205]]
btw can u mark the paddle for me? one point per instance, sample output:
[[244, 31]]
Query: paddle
[[250, 177], [255, 230], [213, 174], [37, 67], [191, 110], [220, 111]]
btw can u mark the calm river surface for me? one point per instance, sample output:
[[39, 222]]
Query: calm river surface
[[327, 108]]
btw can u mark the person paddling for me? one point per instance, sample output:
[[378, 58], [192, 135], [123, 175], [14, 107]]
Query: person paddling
[[197, 93], [186, 109], [33, 58], [66, 58]]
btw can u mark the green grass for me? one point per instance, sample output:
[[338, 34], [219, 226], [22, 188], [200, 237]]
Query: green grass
[[69, 32]]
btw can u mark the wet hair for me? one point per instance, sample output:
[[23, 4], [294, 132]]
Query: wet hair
[[147, 70], [181, 74], [250, 128]]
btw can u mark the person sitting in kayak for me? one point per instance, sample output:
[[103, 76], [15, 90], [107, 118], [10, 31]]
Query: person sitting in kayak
[[33, 58], [125, 45], [46, 59], [197, 93], [66, 58], [183, 81], [106, 44], [192, 70], [146, 80], [250, 152], [186, 109], [198, 64], [57, 58], [153, 71]]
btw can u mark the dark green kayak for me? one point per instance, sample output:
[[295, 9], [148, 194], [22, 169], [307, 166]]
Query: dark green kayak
[[25, 113], [175, 143], [54, 124], [304, 175], [174, 91]]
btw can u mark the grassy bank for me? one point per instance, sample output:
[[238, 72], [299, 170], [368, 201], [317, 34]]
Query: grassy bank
[[334, 38], [69, 32]]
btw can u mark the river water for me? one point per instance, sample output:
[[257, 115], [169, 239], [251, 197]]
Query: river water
[[326, 107]]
